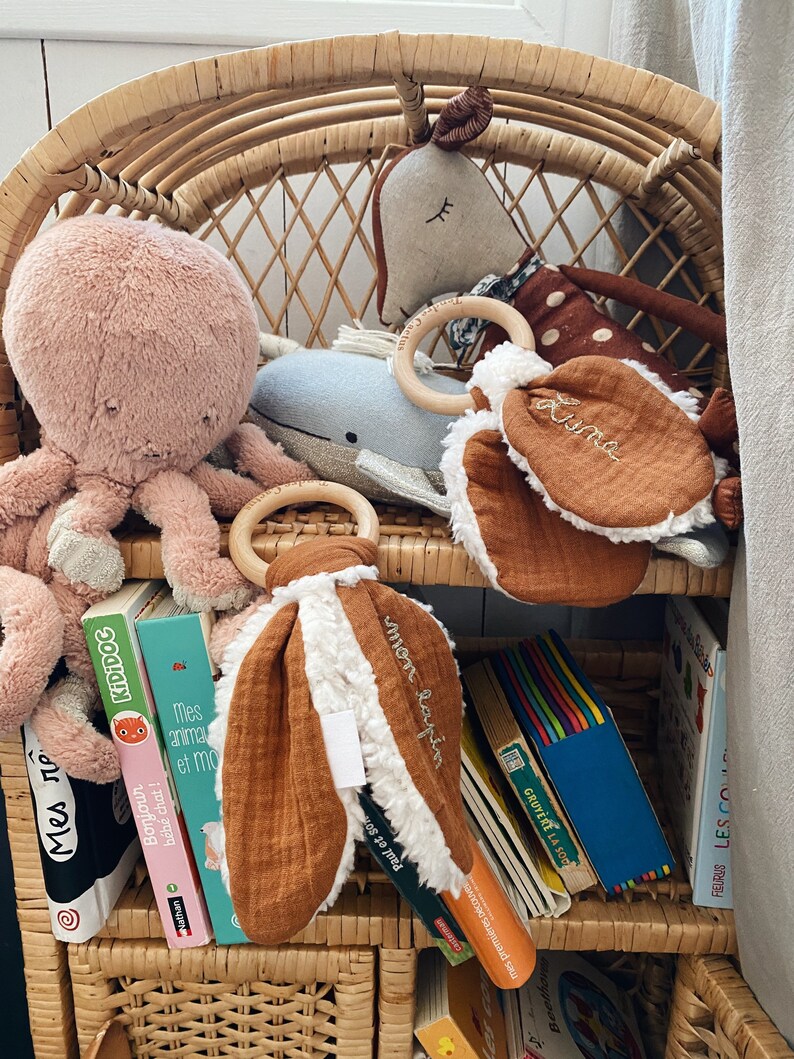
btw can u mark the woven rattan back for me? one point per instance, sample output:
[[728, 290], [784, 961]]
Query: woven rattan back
[[272, 155]]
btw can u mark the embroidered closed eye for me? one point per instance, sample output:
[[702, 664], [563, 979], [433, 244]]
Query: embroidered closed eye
[[442, 213]]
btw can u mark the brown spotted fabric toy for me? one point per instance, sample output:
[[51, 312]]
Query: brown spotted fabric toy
[[335, 654]]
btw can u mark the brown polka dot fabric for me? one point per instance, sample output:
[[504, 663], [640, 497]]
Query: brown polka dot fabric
[[567, 324], [608, 446], [540, 558]]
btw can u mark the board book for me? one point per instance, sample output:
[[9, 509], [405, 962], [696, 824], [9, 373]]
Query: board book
[[87, 842], [426, 904], [519, 763], [693, 745], [126, 694], [585, 760], [540, 887], [569, 1010], [174, 642], [458, 1012]]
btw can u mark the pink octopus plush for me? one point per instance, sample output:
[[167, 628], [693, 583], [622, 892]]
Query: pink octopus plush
[[136, 347]]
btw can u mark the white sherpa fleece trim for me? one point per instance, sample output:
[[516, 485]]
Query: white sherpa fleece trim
[[233, 659], [341, 678], [506, 367], [687, 402], [465, 529], [698, 516]]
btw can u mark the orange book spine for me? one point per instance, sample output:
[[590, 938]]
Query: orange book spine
[[501, 942]]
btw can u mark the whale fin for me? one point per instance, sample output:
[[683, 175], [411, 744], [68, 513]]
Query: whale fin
[[411, 483]]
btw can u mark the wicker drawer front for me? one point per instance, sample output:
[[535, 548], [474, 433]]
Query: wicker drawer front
[[240, 1000], [716, 1016]]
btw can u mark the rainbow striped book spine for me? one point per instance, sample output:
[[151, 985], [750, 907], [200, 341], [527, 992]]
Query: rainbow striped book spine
[[586, 760]]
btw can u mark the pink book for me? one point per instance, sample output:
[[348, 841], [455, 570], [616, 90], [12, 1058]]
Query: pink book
[[116, 654]]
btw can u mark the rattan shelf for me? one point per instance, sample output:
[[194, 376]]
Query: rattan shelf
[[657, 921], [415, 548], [271, 155]]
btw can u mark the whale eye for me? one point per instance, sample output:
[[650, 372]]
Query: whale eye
[[351, 437]]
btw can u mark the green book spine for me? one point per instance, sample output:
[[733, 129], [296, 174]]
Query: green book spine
[[428, 906], [115, 665], [180, 672], [537, 805]]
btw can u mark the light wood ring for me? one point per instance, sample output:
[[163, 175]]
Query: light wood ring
[[248, 518], [518, 331]]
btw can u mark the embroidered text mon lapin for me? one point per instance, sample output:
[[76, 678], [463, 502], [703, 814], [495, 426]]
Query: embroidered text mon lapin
[[422, 697], [554, 405]]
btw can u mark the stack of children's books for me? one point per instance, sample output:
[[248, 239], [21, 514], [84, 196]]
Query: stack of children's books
[[566, 1010], [546, 780], [560, 752], [157, 684], [692, 744]]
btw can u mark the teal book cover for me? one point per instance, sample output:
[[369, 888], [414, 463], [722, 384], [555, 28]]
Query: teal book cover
[[174, 645]]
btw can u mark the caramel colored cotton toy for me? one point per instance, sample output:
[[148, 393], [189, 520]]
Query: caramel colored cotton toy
[[334, 650], [524, 549], [612, 449]]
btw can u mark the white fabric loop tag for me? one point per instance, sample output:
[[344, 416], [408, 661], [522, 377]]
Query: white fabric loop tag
[[343, 749]]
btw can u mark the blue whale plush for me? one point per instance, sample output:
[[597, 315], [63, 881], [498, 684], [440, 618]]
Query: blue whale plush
[[344, 414]]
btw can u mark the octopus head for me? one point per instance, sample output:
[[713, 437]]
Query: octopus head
[[135, 345]]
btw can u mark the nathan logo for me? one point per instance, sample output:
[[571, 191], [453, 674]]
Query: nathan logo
[[179, 917]]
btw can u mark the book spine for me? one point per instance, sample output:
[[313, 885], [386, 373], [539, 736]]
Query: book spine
[[428, 906], [87, 843], [149, 786], [533, 795], [711, 877], [178, 666], [500, 940]]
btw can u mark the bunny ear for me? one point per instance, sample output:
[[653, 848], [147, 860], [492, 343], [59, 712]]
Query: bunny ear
[[463, 118]]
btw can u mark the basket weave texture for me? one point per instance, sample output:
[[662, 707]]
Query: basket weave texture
[[715, 1015], [238, 1000], [272, 156]]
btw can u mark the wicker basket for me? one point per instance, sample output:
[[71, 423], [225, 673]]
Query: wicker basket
[[238, 1000], [715, 1015], [271, 155]]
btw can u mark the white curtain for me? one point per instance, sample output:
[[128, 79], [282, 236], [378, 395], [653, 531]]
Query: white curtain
[[742, 53]]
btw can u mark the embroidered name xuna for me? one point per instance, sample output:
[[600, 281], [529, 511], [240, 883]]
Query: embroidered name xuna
[[555, 404], [422, 697]]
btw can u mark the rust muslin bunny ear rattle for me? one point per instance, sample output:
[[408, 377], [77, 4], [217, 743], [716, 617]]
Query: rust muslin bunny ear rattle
[[523, 548], [334, 652]]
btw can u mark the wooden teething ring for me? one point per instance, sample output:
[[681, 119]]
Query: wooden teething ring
[[248, 518], [518, 331]]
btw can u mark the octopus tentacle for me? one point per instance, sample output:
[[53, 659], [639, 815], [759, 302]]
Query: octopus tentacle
[[265, 460], [33, 628], [190, 544], [29, 483]]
